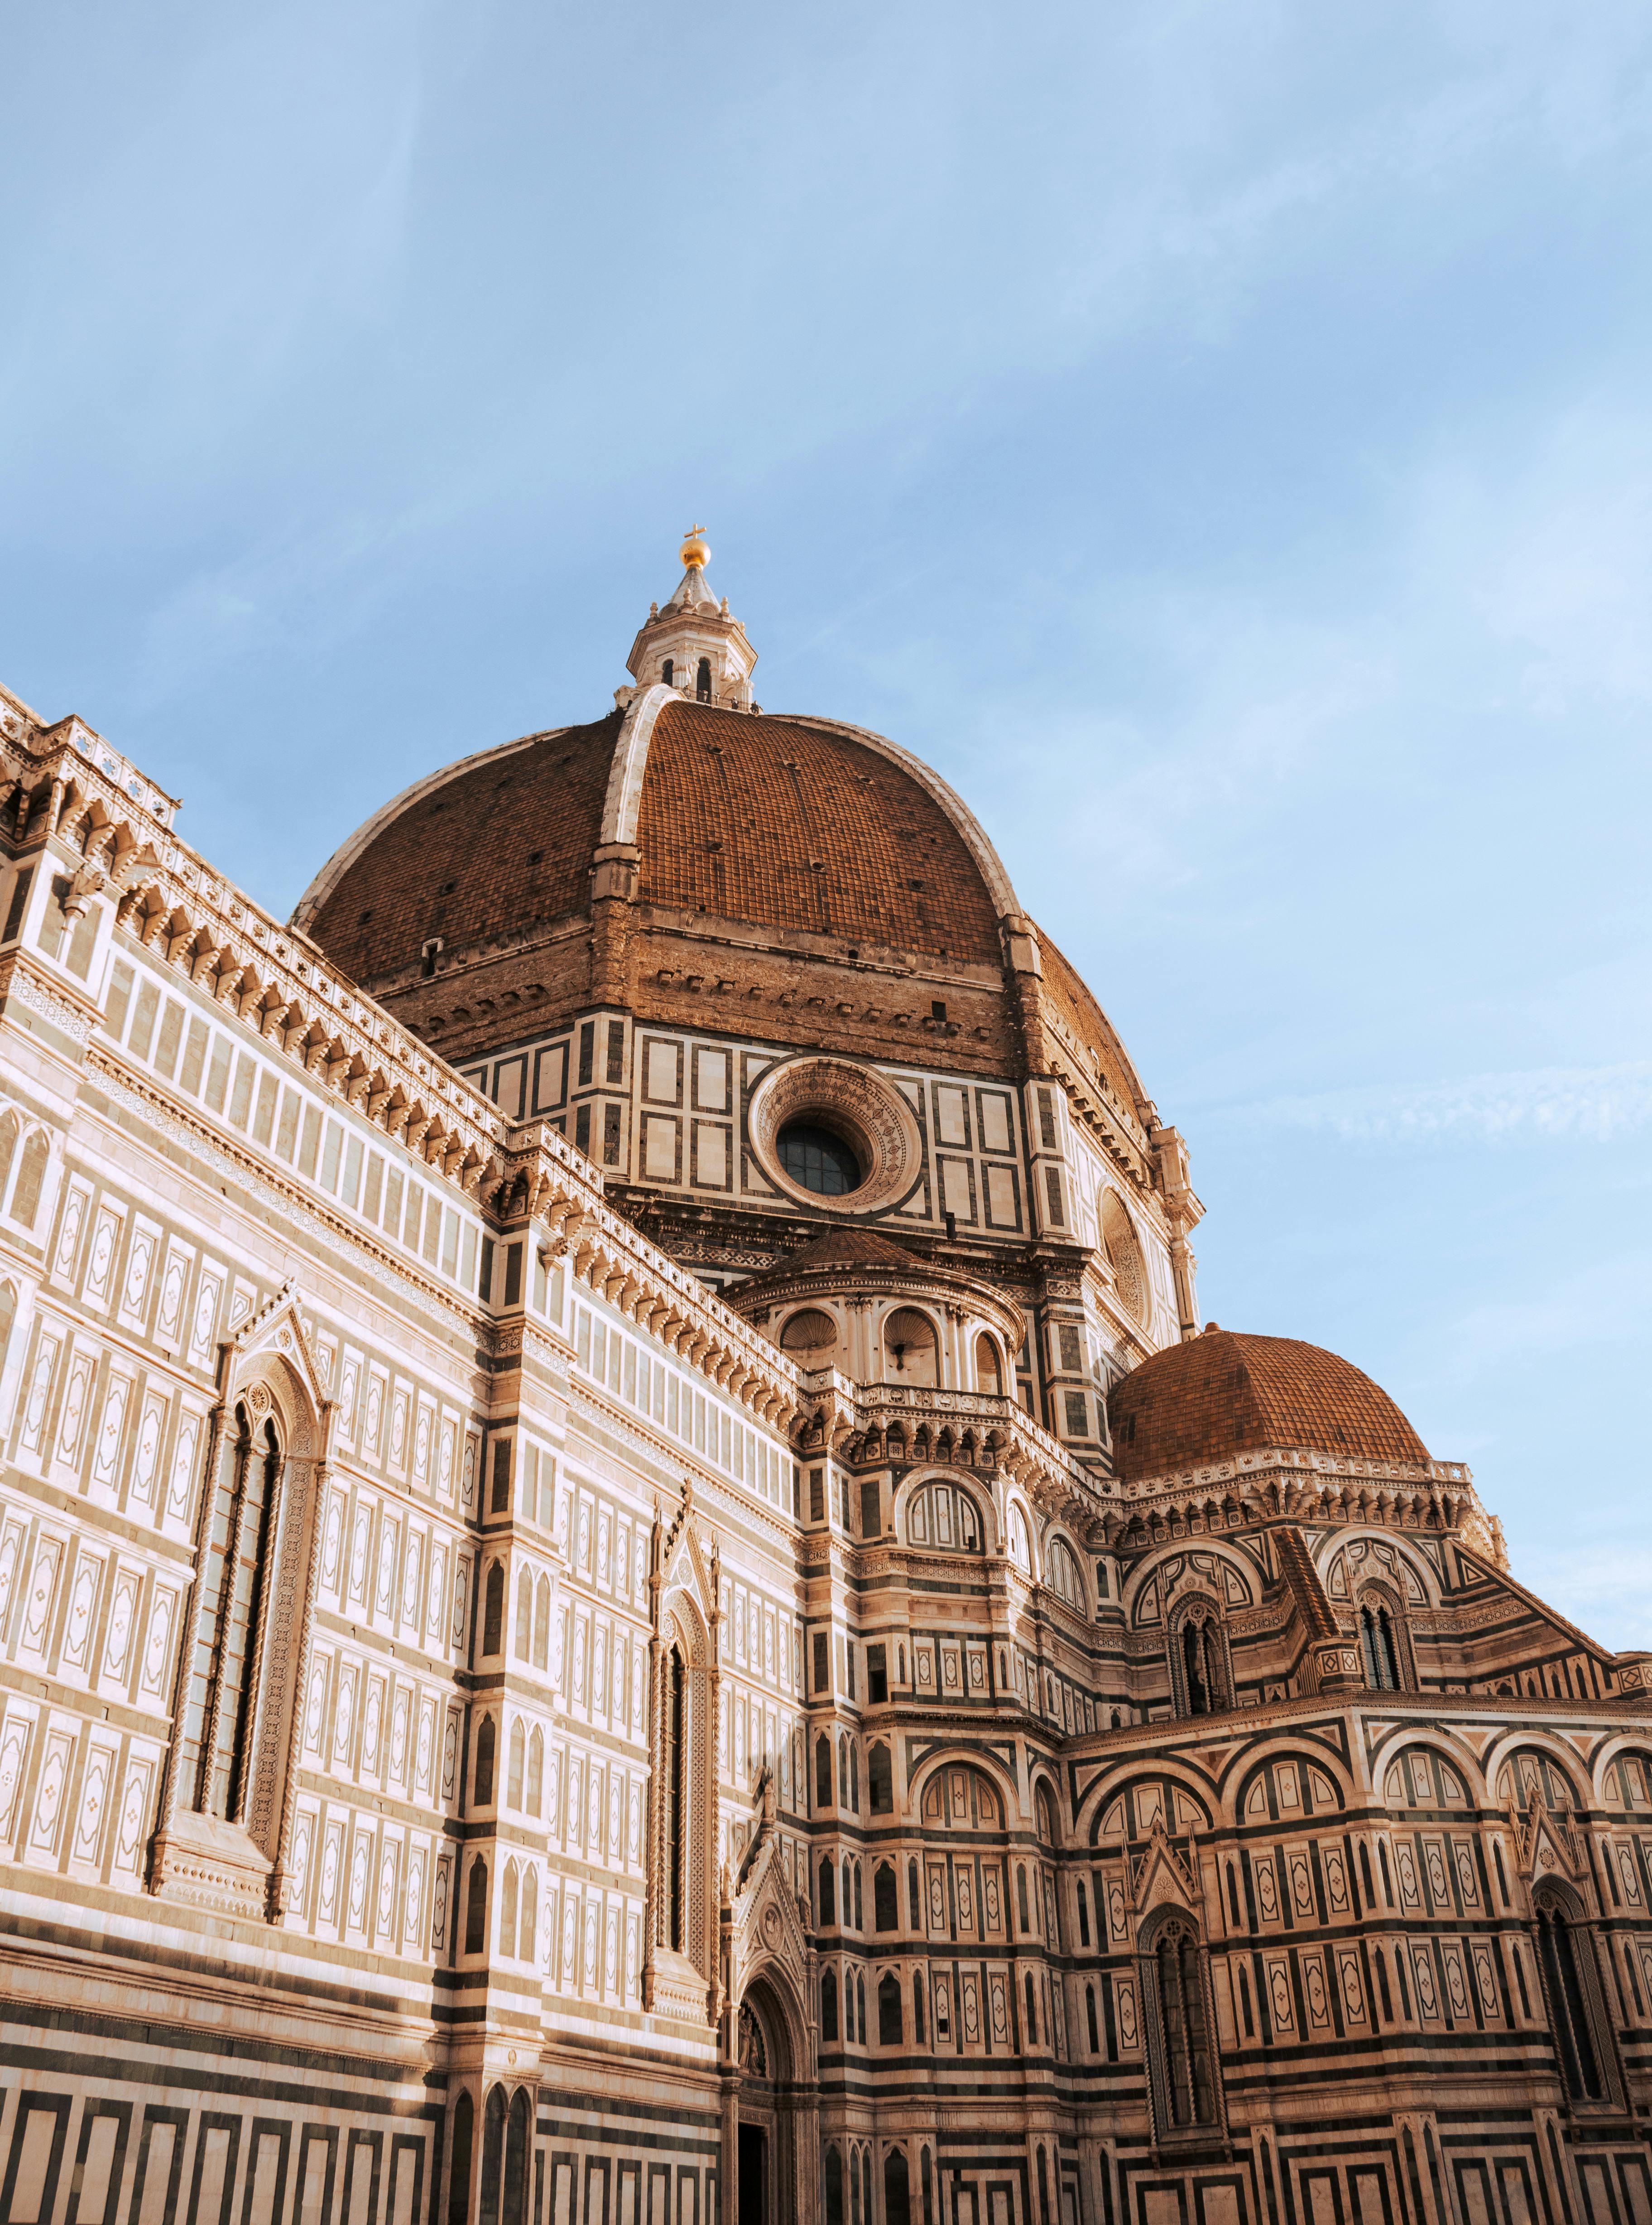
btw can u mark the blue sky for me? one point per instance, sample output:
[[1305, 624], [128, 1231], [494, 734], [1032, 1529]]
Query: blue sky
[[1218, 439]]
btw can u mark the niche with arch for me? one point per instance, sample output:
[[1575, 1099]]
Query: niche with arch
[[911, 1348], [810, 1335], [942, 1517]]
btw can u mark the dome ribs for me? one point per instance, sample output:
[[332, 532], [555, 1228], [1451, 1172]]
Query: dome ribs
[[455, 862], [781, 824]]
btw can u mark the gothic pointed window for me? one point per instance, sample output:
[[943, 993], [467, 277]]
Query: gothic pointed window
[[1187, 2098], [677, 1795], [1572, 1990], [476, 1910], [885, 1917], [221, 1708], [1199, 1674]]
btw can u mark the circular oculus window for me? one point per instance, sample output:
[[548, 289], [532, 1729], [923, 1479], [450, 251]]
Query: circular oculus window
[[829, 1133]]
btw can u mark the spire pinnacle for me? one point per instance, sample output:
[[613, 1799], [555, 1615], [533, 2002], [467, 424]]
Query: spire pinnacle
[[694, 643]]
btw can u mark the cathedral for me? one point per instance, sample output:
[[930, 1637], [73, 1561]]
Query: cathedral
[[631, 1591]]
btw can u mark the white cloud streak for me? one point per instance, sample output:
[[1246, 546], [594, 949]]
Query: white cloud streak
[[1596, 1104]]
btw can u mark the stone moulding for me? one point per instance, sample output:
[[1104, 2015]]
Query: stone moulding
[[899, 1424], [173, 902], [842, 1093], [278, 984], [1308, 1485]]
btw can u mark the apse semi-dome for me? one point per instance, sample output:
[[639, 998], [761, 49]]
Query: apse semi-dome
[[1200, 1402]]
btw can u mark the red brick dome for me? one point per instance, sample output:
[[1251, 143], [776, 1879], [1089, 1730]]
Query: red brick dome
[[773, 822], [1221, 1393]]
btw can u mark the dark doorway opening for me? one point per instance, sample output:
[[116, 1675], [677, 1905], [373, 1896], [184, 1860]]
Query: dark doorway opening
[[754, 2175]]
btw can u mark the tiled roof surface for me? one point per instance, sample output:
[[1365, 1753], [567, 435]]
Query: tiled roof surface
[[1201, 1402], [783, 826], [1070, 994], [838, 1247], [491, 851]]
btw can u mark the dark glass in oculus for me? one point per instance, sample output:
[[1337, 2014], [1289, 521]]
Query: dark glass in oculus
[[818, 1160]]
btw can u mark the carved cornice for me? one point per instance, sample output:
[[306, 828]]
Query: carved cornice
[[899, 1425]]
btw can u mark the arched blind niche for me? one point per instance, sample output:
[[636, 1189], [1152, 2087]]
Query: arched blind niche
[[910, 1351]]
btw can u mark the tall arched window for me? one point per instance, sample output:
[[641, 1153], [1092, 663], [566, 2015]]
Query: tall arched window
[[518, 2142], [458, 2172], [476, 1910], [535, 1771], [517, 1766], [1199, 1677], [31, 1177], [666, 670], [529, 1942], [885, 1915], [525, 1615], [989, 1368], [1061, 1573], [890, 2033], [1381, 1640], [1187, 2095], [677, 1790], [493, 2148], [493, 1610], [220, 1710], [703, 680], [508, 1911], [880, 1780], [541, 1622], [1572, 1990], [487, 1738], [823, 1772], [1376, 1641], [897, 2202], [828, 1891], [829, 2007]]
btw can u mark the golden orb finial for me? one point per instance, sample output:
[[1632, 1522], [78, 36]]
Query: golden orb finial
[[696, 550]]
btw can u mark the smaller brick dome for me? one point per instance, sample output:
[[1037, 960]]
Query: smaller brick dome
[[1221, 1393]]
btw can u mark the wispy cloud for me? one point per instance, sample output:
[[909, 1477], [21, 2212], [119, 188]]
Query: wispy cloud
[[1553, 1104]]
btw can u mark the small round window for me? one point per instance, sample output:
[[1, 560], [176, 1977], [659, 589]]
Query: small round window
[[816, 1160]]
